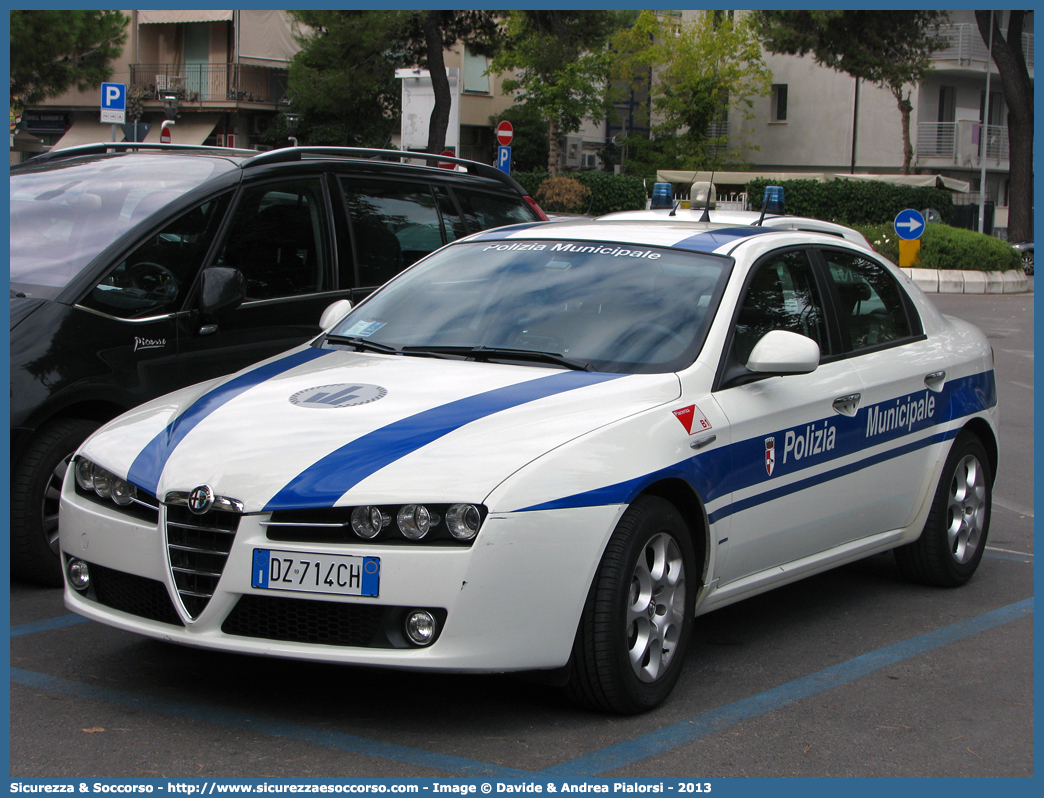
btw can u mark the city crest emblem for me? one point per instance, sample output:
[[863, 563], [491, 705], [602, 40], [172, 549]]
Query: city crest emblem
[[770, 455]]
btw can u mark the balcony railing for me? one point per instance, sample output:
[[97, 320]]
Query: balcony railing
[[210, 82], [962, 142], [965, 45]]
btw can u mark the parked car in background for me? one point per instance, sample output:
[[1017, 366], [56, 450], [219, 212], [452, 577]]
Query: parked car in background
[[1025, 249], [548, 447], [138, 269]]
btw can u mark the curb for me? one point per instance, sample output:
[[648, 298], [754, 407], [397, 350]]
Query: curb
[[950, 281]]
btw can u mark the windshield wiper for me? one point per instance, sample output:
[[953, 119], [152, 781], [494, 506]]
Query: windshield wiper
[[362, 344], [498, 353]]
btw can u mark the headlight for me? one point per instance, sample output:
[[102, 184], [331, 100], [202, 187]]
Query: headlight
[[367, 522], [463, 521], [414, 521], [92, 478]]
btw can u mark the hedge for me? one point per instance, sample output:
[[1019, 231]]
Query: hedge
[[609, 192], [853, 202], [945, 247]]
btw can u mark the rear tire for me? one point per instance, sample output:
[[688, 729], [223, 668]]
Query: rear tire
[[36, 488], [635, 629], [954, 536]]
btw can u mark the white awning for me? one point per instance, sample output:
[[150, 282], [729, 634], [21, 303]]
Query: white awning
[[168, 17], [189, 129], [265, 38], [928, 181], [86, 131]]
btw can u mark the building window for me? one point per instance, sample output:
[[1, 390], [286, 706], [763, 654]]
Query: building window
[[475, 77], [779, 102]]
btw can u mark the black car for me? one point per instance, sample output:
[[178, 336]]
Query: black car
[[139, 269]]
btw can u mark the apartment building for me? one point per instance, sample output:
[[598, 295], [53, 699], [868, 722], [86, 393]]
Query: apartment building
[[224, 72]]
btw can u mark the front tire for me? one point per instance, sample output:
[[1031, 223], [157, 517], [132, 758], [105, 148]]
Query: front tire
[[36, 488], [635, 629], [954, 536]]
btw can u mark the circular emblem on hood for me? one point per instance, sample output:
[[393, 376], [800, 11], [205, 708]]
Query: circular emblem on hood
[[346, 394], [201, 499]]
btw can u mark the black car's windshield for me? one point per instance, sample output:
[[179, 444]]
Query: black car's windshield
[[574, 304], [65, 213]]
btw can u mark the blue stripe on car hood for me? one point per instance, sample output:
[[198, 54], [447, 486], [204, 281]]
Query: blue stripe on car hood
[[148, 465], [322, 484]]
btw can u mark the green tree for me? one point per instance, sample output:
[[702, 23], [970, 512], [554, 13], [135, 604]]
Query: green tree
[[342, 81], [1018, 96], [891, 49], [561, 66], [700, 71], [529, 145], [52, 51], [426, 34]]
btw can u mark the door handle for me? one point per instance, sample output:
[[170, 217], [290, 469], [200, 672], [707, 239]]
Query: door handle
[[847, 405], [935, 380]]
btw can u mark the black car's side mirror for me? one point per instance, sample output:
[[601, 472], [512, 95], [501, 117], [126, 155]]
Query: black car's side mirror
[[221, 288]]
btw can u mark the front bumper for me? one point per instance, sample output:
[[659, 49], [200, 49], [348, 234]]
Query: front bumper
[[511, 601]]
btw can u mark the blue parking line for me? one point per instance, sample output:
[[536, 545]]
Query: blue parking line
[[590, 765], [662, 740], [45, 626], [254, 723]]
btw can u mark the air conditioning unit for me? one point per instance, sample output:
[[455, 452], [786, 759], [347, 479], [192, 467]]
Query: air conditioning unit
[[590, 160], [573, 150], [259, 124]]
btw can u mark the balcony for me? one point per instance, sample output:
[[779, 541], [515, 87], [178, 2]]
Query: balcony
[[966, 48], [960, 144], [210, 83]]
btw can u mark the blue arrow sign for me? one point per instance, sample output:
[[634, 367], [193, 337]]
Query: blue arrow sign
[[909, 224]]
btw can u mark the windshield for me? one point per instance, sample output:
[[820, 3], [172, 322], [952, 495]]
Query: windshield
[[603, 307], [64, 214]]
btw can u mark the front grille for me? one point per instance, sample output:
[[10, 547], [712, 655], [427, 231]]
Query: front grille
[[198, 547], [132, 594], [306, 621]]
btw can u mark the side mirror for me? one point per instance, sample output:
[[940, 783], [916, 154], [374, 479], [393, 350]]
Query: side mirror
[[334, 313], [781, 352], [222, 288]]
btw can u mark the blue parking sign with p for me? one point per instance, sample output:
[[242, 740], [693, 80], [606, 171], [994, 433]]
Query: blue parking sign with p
[[113, 103], [504, 159]]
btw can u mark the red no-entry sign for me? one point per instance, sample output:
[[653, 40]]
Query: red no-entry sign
[[505, 132]]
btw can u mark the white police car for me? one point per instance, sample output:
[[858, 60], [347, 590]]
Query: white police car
[[548, 447]]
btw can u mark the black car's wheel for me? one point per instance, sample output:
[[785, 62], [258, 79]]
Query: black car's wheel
[[635, 629], [1027, 262], [954, 537], [36, 487]]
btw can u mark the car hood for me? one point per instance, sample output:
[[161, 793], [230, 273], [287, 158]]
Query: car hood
[[318, 428], [22, 306]]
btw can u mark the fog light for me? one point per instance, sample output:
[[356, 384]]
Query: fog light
[[463, 521], [420, 627], [123, 492], [367, 522], [414, 521], [84, 474], [79, 576]]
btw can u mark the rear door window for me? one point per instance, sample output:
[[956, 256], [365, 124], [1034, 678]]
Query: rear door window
[[394, 224]]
